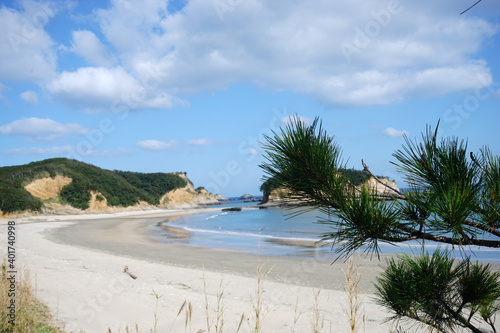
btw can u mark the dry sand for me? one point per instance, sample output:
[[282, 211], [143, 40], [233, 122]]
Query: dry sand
[[76, 263]]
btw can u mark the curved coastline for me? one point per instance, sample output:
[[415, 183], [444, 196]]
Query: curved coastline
[[136, 236]]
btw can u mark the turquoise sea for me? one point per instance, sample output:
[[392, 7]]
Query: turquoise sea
[[274, 231]]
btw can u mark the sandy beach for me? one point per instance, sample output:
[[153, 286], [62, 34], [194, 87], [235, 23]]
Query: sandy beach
[[76, 264]]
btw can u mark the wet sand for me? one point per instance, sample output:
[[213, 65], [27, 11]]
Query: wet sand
[[135, 237]]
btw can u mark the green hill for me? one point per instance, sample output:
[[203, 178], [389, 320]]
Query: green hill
[[120, 188]]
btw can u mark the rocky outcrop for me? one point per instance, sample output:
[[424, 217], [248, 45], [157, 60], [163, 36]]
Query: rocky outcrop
[[381, 189], [188, 197], [281, 195], [98, 202], [220, 197], [277, 195], [232, 209]]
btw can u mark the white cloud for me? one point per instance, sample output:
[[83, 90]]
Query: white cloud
[[30, 97], [297, 46], [392, 132], [93, 86], [397, 51], [87, 45], [26, 49], [132, 26], [200, 142], [99, 88], [157, 145], [39, 129]]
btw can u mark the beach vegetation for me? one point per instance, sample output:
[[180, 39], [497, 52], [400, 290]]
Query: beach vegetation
[[200, 189], [317, 319], [16, 199], [453, 199], [354, 310], [154, 184], [187, 309], [20, 311], [257, 302], [435, 290]]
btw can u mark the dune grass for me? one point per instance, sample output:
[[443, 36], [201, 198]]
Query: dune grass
[[31, 315], [354, 310]]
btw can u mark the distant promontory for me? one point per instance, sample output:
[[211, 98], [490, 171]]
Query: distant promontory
[[276, 194], [66, 186]]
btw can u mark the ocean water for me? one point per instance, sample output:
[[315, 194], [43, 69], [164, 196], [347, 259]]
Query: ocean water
[[274, 231]]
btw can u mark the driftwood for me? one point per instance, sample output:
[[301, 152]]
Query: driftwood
[[125, 270]]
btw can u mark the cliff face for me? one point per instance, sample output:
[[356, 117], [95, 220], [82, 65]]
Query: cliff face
[[380, 189], [188, 197], [46, 188], [277, 195]]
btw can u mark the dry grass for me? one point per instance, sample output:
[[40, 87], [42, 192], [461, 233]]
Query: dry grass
[[187, 309], [157, 297], [207, 303], [31, 316], [219, 309], [257, 301], [354, 302], [296, 316], [218, 322], [317, 319]]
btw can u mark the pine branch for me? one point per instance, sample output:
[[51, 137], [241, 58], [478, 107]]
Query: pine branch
[[479, 165], [451, 240], [457, 316], [483, 227], [415, 235]]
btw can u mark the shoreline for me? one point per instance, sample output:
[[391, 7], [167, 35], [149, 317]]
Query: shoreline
[[137, 238], [76, 265]]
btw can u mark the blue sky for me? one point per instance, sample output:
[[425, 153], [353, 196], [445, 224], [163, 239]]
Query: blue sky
[[165, 86]]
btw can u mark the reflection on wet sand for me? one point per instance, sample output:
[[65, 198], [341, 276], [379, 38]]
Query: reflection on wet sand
[[173, 232]]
